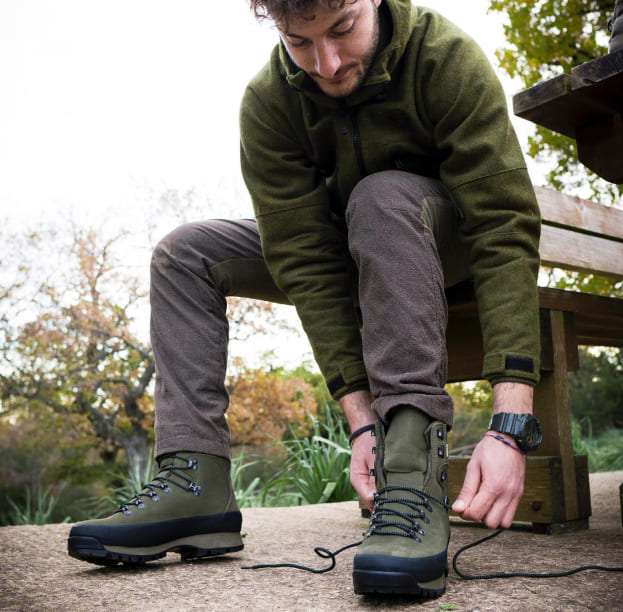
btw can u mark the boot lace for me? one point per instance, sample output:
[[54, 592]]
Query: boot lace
[[160, 484], [406, 521]]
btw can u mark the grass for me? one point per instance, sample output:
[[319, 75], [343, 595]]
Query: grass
[[605, 451], [315, 470], [35, 511]]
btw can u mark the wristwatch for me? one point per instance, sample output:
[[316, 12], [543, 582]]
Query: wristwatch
[[525, 428]]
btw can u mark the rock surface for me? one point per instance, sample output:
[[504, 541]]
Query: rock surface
[[37, 574]]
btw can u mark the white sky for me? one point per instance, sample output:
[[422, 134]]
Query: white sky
[[106, 104]]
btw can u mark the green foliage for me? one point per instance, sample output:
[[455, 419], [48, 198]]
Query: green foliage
[[547, 38], [130, 483], [322, 396], [596, 390], [584, 283], [472, 410], [605, 451], [248, 495], [35, 512], [316, 469], [42, 450]]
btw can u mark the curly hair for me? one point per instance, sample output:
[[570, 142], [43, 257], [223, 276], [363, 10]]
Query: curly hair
[[282, 11]]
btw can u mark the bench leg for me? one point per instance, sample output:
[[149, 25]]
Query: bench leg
[[551, 405]]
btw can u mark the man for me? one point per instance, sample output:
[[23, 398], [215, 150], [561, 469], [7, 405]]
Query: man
[[382, 166]]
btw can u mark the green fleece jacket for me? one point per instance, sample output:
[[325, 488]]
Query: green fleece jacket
[[430, 105]]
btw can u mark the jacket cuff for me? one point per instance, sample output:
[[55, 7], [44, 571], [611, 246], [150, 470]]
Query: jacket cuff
[[352, 377], [499, 367], [515, 379]]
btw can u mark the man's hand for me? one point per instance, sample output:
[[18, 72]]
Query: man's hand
[[494, 479], [361, 465], [493, 484], [358, 411]]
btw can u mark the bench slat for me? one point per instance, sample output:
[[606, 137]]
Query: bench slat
[[561, 248], [582, 215]]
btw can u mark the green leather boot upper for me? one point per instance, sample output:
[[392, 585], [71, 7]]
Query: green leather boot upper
[[410, 516]]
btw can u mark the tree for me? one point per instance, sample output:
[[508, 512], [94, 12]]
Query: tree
[[76, 351], [547, 38], [71, 339], [263, 405], [596, 391]]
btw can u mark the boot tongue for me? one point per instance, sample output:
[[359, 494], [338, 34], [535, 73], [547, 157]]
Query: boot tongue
[[406, 451]]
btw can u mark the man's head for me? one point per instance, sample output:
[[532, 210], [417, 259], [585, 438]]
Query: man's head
[[333, 41]]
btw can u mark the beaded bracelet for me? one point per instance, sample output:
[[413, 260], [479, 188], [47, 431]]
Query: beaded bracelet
[[359, 431], [505, 441]]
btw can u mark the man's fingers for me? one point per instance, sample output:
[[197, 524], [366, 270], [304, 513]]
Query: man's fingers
[[361, 466], [470, 487], [493, 485]]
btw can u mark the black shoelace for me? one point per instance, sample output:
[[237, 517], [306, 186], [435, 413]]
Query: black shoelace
[[412, 529], [160, 483], [496, 533], [382, 522], [384, 519]]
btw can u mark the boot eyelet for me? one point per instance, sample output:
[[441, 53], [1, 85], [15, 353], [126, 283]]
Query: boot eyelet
[[140, 506], [440, 433], [155, 498], [195, 488]]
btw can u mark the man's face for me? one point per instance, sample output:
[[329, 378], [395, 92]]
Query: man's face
[[335, 47]]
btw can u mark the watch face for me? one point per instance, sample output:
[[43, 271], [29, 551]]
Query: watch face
[[532, 434]]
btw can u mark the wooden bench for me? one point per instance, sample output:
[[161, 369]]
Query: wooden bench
[[576, 235]]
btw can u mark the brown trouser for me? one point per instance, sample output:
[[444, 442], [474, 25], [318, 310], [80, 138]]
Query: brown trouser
[[403, 234]]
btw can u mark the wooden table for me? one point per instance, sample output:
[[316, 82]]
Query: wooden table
[[586, 105]]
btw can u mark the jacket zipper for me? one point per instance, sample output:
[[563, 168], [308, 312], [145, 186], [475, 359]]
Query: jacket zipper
[[357, 144]]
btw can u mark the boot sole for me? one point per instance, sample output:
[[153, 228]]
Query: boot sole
[[367, 582], [423, 577], [90, 549]]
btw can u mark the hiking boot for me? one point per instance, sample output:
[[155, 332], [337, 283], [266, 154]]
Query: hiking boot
[[405, 549], [615, 27], [188, 508]]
